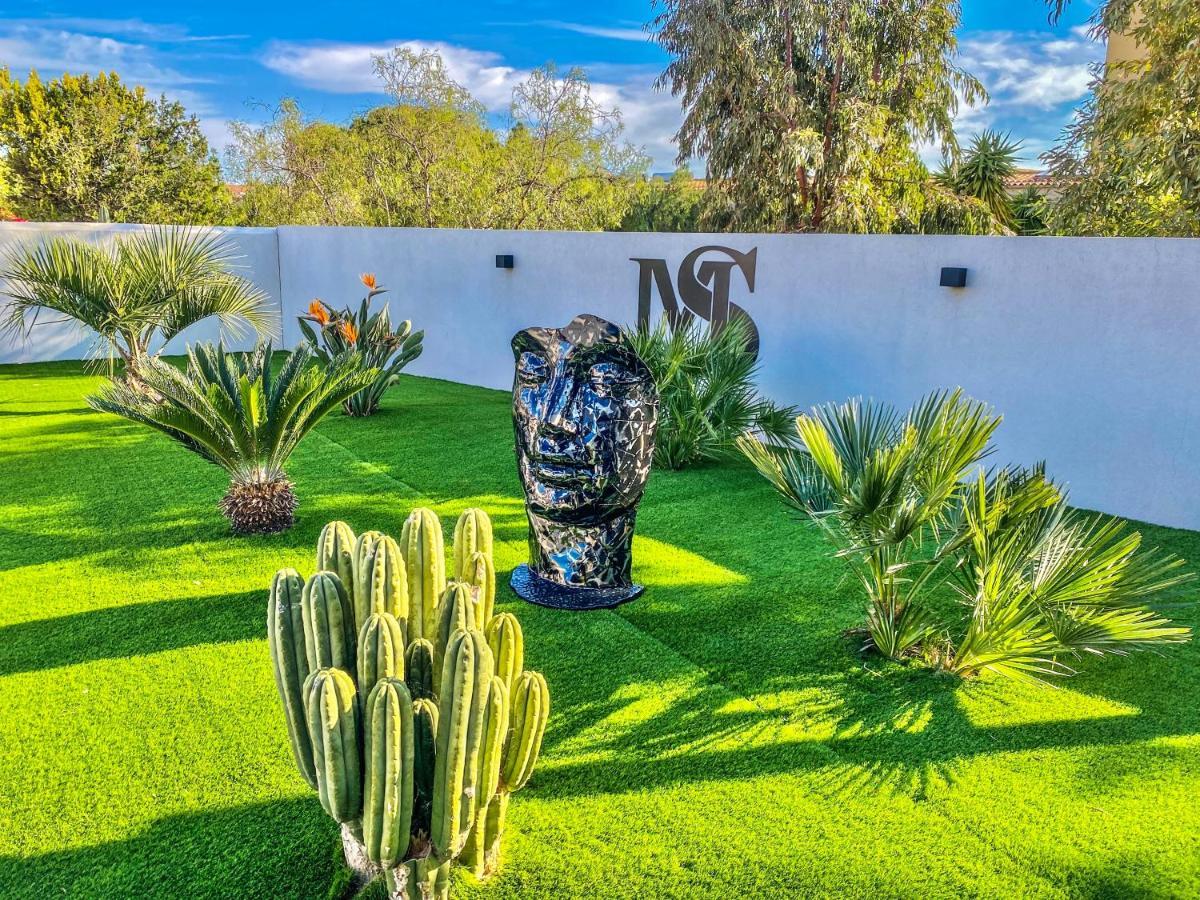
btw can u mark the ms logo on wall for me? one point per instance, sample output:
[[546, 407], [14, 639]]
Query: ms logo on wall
[[701, 285]]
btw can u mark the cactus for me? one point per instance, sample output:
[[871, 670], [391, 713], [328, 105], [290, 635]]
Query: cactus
[[462, 709], [425, 878], [331, 705], [480, 573], [380, 581], [425, 726], [508, 648], [329, 635], [285, 636], [472, 534], [388, 770], [529, 703], [380, 651], [425, 563], [495, 732], [405, 701], [418, 669], [335, 551], [456, 611]]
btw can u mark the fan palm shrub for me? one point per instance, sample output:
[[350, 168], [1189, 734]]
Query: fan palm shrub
[[707, 397], [234, 411], [135, 293], [371, 335], [906, 502]]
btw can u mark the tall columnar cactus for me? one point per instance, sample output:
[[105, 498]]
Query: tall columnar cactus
[[480, 573], [388, 772], [529, 703], [380, 651], [331, 705], [335, 551], [456, 612], [462, 709], [472, 534], [418, 669], [507, 644], [413, 741], [285, 636], [425, 564], [329, 633], [495, 732]]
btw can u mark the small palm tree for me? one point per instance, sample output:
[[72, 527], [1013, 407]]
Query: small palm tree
[[905, 502], [136, 293], [990, 159], [706, 391], [233, 411]]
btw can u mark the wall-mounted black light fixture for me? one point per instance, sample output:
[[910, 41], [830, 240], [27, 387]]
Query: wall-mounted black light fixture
[[953, 277], [504, 260]]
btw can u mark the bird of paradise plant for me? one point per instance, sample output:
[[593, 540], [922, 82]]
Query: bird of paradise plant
[[333, 333]]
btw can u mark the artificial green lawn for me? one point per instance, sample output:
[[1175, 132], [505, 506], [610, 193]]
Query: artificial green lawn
[[718, 737]]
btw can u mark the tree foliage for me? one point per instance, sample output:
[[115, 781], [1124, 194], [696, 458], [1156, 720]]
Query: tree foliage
[[808, 110], [672, 205], [431, 159], [81, 148], [1130, 160], [988, 161]]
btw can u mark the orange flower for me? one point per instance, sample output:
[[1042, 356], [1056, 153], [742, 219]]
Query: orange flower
[[368, 279], [349, 332], [320, 314]]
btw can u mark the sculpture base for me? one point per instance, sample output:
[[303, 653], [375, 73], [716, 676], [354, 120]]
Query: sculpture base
[[533, 587]]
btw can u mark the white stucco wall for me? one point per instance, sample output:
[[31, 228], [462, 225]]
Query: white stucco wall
[[1088, 347]]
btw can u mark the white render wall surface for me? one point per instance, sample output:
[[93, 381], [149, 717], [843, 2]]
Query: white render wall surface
[[1087, 346]]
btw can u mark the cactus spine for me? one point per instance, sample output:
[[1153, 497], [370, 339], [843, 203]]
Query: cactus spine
[[380, 651], [331, 703], [285, 636], [388, 772], [418, 669], [507, 644], [472, 534], [335, 551], [462, 708], [329, 633], [425, 563], [481, 575]]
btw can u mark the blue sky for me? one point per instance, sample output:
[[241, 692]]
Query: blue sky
[[232, 61]]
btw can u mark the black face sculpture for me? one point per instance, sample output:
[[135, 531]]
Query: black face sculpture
[[584, 410]]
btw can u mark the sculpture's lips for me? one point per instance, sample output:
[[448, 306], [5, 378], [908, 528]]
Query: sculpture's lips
[[562, 471]]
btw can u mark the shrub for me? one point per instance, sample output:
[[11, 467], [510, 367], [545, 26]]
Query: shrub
[[235, 412], [405, 698], [705, 379], [137, 293], [370, 335], [906, 503]]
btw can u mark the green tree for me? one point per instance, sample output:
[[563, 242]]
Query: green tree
[[807, 110], [81, 148], [1129, 163], [673, 205]]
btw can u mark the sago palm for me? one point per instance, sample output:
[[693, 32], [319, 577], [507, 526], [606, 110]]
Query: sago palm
[[234, 411], [707, 396], [136, 292]]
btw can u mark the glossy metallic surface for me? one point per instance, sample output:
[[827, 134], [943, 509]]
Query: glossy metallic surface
[[584, 411]]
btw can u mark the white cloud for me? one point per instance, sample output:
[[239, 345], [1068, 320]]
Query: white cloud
[[636, 35], [651, 118], [1031, 72]]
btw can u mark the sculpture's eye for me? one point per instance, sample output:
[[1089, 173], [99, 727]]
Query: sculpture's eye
[[606, 377], [532, 368]]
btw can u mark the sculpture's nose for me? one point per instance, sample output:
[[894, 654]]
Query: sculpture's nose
[[558, 407]]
